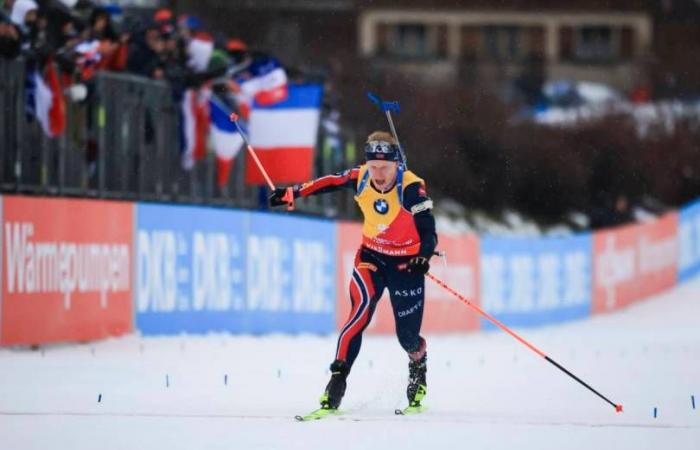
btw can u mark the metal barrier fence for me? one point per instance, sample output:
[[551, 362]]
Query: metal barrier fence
[[122, 142]]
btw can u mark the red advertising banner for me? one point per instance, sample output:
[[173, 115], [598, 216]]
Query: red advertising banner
[[633, 262], [66, 270], [443, 313]]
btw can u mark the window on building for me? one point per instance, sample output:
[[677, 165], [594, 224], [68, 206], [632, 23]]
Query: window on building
[[412, 40], [596, 43], [502, 43]]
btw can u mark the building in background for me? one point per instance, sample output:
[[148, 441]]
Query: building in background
[[446, 41], [478, 42]]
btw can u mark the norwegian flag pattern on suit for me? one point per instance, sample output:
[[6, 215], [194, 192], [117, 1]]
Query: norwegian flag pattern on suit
[[284, 136]]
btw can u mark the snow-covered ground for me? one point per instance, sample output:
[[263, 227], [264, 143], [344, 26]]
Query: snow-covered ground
[[486, 391]]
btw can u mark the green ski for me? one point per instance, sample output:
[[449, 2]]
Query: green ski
[[319, 414]]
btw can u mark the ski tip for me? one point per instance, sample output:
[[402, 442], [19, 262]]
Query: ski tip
[[318, 415], [410, 410], [618, 408]]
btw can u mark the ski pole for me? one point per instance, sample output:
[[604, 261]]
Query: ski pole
[[289, 193], [618, 408], [387, 107]]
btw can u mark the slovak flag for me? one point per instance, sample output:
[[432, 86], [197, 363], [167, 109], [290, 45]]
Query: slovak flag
[[48, 102], [284, 136], [195, 125], [226, 139], [263, 82]]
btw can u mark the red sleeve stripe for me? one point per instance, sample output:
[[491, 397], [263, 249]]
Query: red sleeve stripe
[[328, 181]]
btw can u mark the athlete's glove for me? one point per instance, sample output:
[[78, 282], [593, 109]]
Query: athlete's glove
[[418, 265], [277, 197]]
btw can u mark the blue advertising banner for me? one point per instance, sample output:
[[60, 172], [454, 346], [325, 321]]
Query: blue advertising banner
[[531, 282], [689, 242], [206, 270], [2, 242], [291, 273]]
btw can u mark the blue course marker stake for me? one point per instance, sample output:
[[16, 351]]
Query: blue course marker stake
[[225, 379], [692, 401], [99, 398], [167, 381], [654, 412]]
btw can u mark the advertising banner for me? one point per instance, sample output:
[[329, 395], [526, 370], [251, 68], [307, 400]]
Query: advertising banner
[[531, 282], [2, 246], [689, 242], [291, 273], [66, 270], [205, 270], [443, 313], [633, 262]]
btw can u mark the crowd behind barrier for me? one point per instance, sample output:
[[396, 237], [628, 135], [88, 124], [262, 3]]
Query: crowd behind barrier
[[96, 102], [167, 269]]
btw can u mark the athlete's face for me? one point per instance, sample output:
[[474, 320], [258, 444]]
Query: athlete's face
[[382, 173]]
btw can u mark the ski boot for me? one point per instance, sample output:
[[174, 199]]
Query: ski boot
[[335, 389], [417, 384]]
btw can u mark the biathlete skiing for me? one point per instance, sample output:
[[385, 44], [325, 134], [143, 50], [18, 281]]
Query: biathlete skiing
[[398, 240]]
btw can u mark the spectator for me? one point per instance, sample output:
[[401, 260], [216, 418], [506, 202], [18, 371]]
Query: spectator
[[145, 53], [10, 38], [6, 7], [113, 48], [101, 27], [24, 16], [164, 18], [66, 42], [610, 214]]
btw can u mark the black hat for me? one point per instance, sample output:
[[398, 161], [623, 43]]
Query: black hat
[[381, 151]]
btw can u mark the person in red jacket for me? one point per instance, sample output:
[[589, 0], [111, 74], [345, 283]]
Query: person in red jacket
[[398, 240]]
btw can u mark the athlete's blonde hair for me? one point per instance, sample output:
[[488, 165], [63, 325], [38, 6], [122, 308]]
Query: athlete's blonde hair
[[381, 136]]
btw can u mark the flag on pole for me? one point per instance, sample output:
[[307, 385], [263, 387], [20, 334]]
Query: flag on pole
[[226, 139], [88, 58], [45, 97], [284, 136], [263, 82], [195, 125]]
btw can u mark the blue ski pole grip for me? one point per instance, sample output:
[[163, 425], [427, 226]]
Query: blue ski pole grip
[[392, 106], [374, 99]]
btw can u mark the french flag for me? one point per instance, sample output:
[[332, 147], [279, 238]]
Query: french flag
[[284, 136], [48, 102], [264, 83], [195, 126], [226, 139]]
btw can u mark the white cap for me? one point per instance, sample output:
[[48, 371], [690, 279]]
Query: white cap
[[20, 10]]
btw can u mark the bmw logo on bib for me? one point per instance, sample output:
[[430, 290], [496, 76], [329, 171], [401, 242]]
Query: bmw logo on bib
[[381, 206]]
